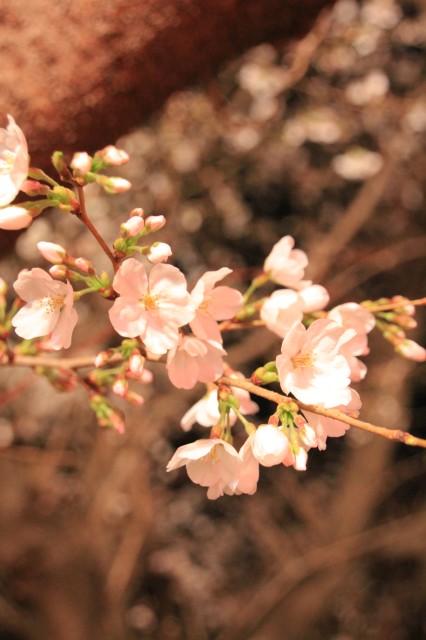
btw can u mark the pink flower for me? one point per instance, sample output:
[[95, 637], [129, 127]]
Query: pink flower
[[213, 304], [159, 252], [13, 218], [286, 265], [281, 311], [51, 252], [194, 360], [206, 411], [329, 427], [152, 307], [49, 310], [270, 445], [14, 163], [210, 463], [311, 366]]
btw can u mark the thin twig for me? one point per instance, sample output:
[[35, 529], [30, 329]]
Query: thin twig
[[83, 216], [335, 414]]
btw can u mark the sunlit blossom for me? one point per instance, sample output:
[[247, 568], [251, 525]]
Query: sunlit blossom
[[194, 360], [213, 303], [311, 366], [49, 310], [211, 463], [285, 265], [151, 306]]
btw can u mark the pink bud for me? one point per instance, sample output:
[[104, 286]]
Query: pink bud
[[159, 252], [154, 223], [136, 364], [34, 188], [135, 398], [58, 271], [103, 357], [112, 156], [137, 212], [120, 387], [13, 218], [81, 163], [84, 265], [51, 252], [411, 350], [113, 185], [132, 227]]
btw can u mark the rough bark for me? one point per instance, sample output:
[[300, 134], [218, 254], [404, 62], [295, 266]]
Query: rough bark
[[79, 73]]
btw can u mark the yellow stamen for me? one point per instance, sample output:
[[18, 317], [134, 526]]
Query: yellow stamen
[[51, 303], [303, 360], [7, 162], [150, 301]]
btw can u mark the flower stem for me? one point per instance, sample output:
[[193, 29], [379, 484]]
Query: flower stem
[[95, 233]]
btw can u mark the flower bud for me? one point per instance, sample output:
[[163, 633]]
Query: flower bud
[[159, 252], [13, 218], [132, 227], [59, 271], [136, 364], [34, 188], [137, 212], [103, 357], [270, 445], [411, 350], [112, 157], [85, 265], [120, 387], [52, 252], [154, 223], [81, 163], [113, 185]]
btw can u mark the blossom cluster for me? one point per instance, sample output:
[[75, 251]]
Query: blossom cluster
[[160, 318]]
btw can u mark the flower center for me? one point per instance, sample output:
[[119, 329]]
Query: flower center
[[213, 455], [6, 162], [204, 306], [51, 303], [150, 301], [303, 360]]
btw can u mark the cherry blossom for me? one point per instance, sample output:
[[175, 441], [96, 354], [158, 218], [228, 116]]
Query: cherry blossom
[[285, 265], [14, 162], [152, 307], [314, 298], [213, 303], [311, 366], [194, 360], [49, 310], [14, 218], [210, 463], [270, 445]]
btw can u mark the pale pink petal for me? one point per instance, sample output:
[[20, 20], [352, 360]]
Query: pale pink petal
[[225, 303], [131, 279], [62, 333], [128, 317]]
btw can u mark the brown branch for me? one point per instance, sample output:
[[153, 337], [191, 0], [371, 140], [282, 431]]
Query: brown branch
[[335, 414]]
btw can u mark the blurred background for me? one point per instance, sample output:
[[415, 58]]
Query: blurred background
[[323, 140]]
